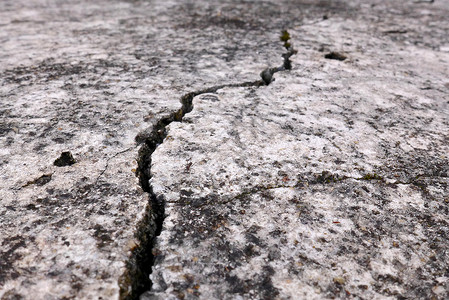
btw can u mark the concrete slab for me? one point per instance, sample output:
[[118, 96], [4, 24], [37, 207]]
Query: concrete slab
[[88, 77], [329, 182]]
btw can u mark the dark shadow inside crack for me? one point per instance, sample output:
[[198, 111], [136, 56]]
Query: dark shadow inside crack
[[136, 278], [267, 74]]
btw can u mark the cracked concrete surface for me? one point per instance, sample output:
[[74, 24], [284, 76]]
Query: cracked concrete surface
[[331, 182], [88, 77]]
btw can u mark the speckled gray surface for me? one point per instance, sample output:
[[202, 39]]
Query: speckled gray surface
[[329, 182], [88, 77]]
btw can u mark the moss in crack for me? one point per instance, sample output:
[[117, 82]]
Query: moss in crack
[[285, 37], [267, 74], [371, 176]]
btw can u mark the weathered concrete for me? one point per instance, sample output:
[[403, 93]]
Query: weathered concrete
[[88, 77], [329, 182]]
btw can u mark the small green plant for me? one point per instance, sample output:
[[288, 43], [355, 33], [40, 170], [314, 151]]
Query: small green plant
[[285, 37]]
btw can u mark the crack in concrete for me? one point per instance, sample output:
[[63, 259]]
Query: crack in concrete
[[324, 178], [108, 160], [135, 279], [327, 177], [267, 74]]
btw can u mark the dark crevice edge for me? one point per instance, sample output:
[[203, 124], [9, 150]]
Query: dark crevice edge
[[135, 279]]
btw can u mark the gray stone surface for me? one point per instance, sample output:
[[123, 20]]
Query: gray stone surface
[[329, 182], [88, 77]]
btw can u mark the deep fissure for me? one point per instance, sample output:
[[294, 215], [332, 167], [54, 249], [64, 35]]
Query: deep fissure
[[136, 279]]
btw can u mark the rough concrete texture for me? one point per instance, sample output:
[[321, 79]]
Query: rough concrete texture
[[88, 77], [329, 182]]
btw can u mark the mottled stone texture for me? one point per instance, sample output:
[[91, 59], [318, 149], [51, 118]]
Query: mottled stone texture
[[85, 78], [331, 182]]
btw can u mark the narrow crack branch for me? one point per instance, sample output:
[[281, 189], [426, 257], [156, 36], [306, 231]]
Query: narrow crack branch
[[327, 177], [321, 179], [136, 279], [108, 160]]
